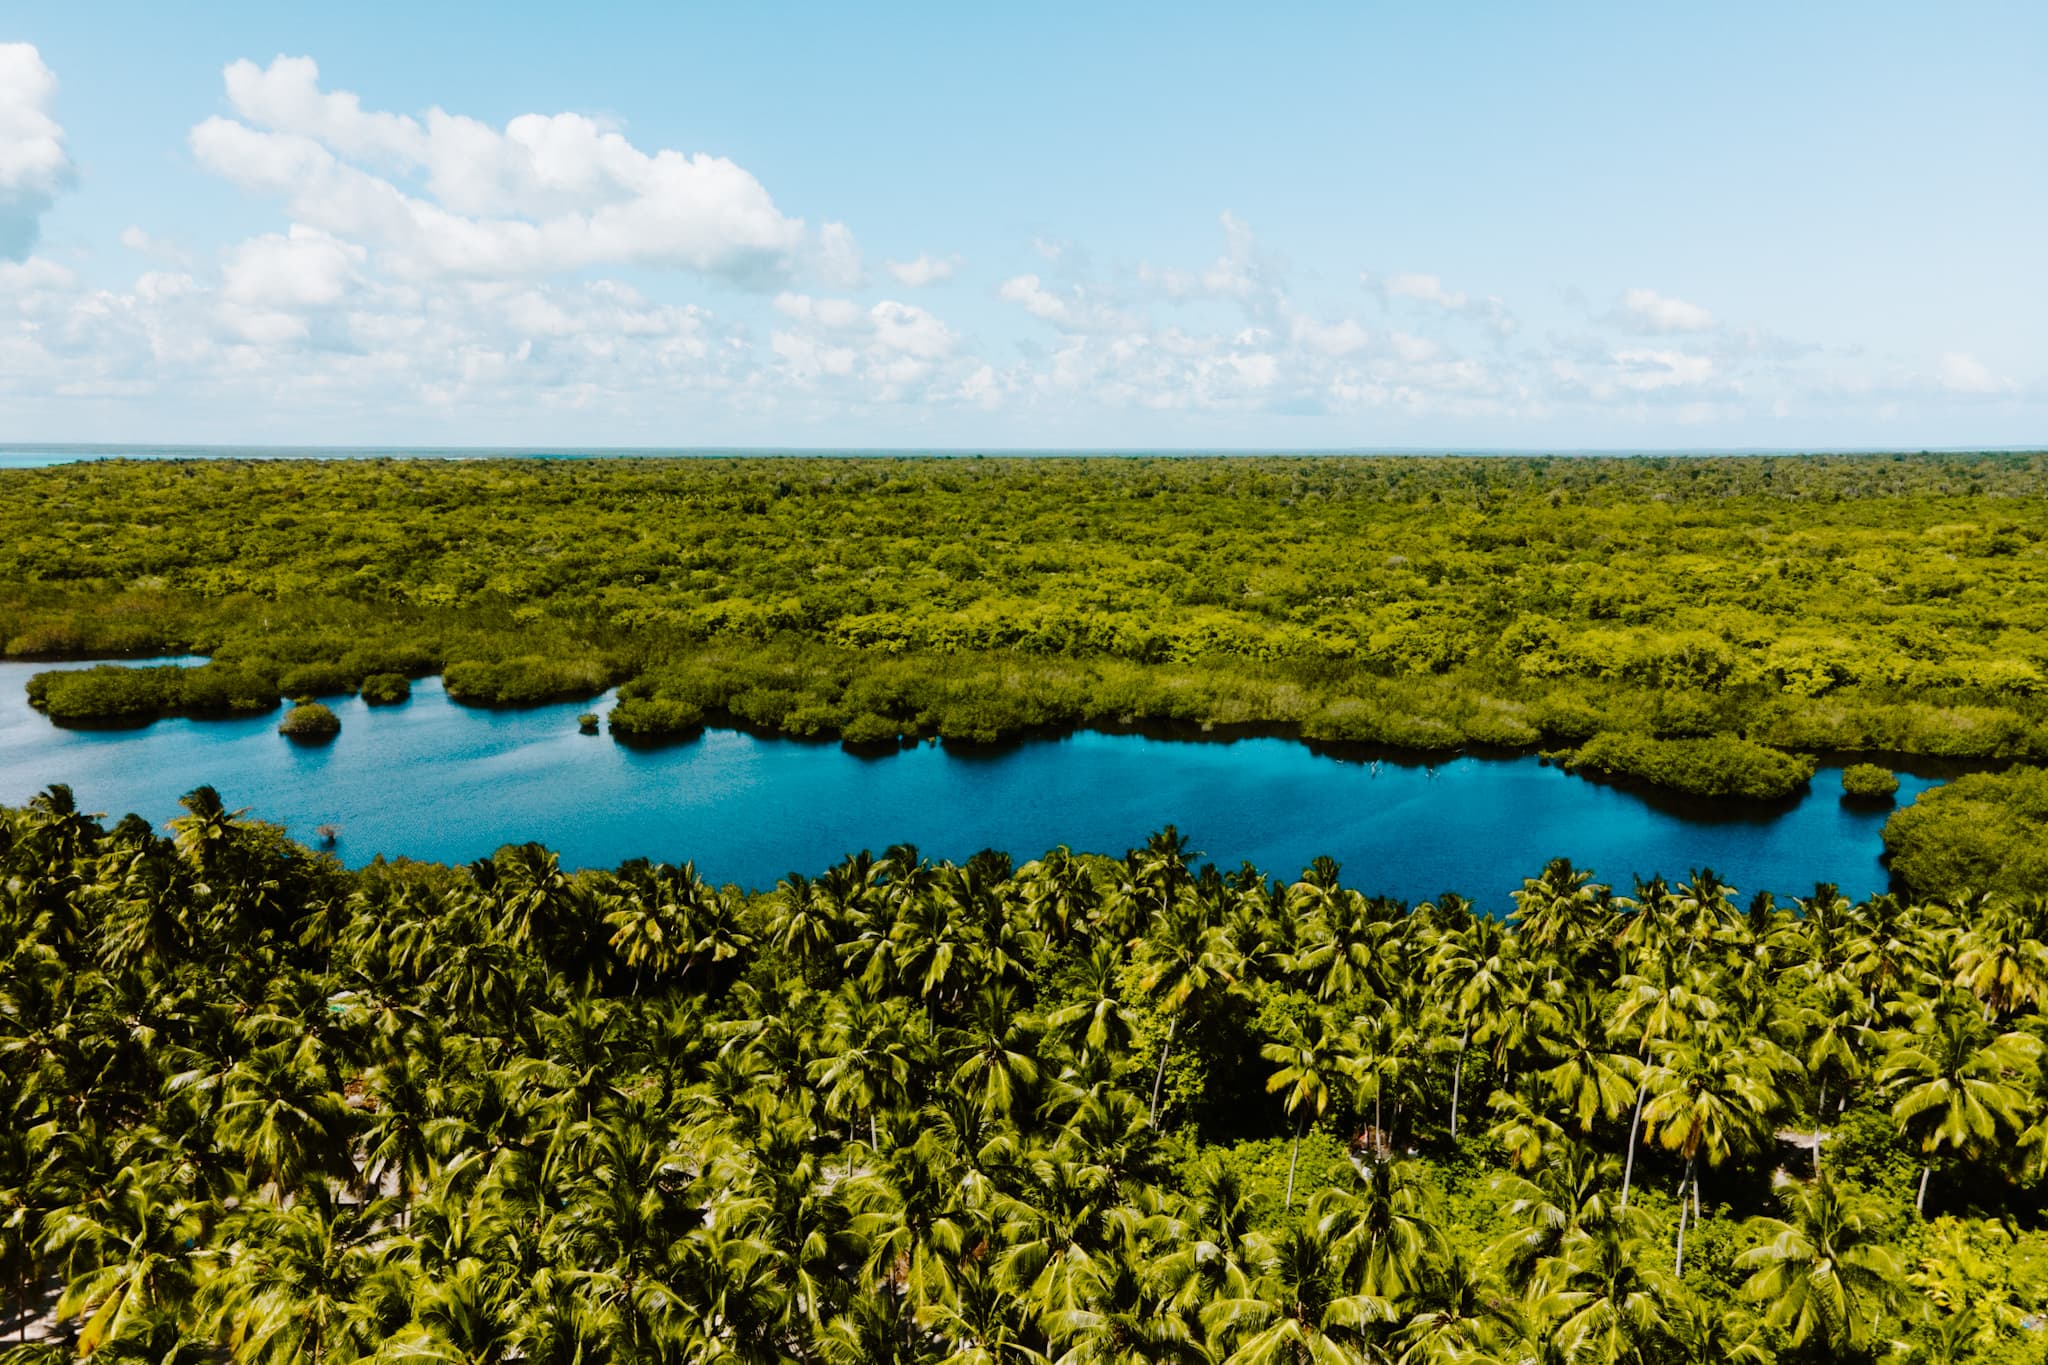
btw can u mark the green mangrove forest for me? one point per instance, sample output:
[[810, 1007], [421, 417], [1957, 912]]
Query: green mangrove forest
[[1705, 625], [261, 1108]]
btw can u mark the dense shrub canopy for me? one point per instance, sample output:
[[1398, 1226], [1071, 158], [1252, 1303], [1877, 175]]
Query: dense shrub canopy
[[1804, 604], [1981, 832]]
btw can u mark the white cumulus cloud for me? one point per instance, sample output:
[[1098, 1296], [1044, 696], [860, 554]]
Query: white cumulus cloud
[[34, 167], [1429, 293], [1961, 372], [1646, 311], [450, 196], [925, 270]]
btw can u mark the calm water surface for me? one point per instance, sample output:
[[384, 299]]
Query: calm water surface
[[434, 780]]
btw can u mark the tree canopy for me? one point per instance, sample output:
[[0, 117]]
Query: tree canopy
[[1695, 623], [262, 1108]]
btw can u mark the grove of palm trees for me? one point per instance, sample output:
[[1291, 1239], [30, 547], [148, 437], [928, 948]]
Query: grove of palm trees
[[262, 1108]]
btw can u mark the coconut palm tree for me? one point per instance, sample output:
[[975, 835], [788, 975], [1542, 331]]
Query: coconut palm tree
[[1298, 1312], [1958, 1085], [1818, 1273], [1305, 1061], [1706, 1100]]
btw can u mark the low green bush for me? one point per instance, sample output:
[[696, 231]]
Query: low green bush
[[655, 718], [310, 721], [1869, 782], [1981, 832], [1722, 765], [386, 689], [107, 693], [525, 681]]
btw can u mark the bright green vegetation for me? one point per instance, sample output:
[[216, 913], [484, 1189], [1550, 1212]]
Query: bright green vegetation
[[1718, 766], [309, 720], [588, 722], [386, 689], [1881, 603], [261, 1108], [1984, 832], [1869, 782]]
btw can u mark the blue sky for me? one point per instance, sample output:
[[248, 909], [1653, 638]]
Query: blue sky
[[1284, 226]]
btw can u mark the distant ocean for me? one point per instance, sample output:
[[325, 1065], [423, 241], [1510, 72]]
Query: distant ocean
[[26, 455]]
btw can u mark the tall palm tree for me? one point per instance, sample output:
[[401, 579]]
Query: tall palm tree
[[1819, 1273], [130, 1264], [1184, 959], [1706, 1100], [1299, 1312], [1958, 1085], [1305, 1062]]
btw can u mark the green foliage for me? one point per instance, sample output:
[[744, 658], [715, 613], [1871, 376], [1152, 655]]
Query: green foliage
[[527, 680], [257, 1106], [111, 694], [1981, 832], [1808, 604], [309, 720], [1869, 782], [1719, 766], [386, 689]]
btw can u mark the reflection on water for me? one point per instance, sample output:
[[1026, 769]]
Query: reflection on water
[[433, 780]]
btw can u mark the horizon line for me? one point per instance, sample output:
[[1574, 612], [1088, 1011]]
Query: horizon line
[[230, 449]]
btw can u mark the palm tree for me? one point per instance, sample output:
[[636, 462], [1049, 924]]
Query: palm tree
[[1306, 1059], [1185, 958], [1588, 1078], [1558, 913], [1097, 1020], [286, 1119], [1958, 1085], [1709, 1100], [1653, 1011], [1381, 1229], [1819, 1274], [305, 1281], [1298, 1312], [129, 1260], [1609, 1304], [1470, 974]]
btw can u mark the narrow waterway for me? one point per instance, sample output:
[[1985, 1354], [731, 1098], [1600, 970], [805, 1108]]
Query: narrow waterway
[[433, 780]]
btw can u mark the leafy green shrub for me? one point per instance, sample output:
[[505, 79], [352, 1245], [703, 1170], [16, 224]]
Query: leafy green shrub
[[1720, 766], [316, 680], [228, 687], [386, 689], [524, 681], [107, 694], [309, 721], [1981, 832], [652, 718], [1566, 719], [869, 728], [587, 722], [1869, 782], [1684, 715]]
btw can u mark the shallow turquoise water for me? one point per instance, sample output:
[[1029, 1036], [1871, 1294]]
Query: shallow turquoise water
[[434, 780]]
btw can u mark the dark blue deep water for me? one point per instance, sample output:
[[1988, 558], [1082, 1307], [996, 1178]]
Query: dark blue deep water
[[433, 780]]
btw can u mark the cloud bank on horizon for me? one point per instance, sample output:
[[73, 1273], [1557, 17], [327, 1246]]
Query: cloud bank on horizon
[[434, 272]]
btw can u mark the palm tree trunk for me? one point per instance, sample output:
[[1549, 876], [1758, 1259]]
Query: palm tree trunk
[[1678, 1264], [1920, 1199], [1635, 1125], [1457, 1078], [1818, 1111], [1292, 1159], [1159, 1081]]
